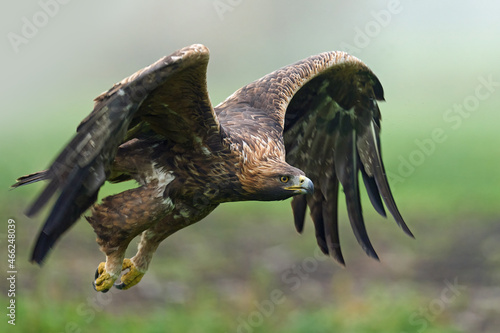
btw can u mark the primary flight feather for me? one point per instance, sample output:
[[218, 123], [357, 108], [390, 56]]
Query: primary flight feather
[[297, 132]]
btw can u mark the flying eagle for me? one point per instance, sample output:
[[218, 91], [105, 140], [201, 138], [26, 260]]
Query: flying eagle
[[313, 122]]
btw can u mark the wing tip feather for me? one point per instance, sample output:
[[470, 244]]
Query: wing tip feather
[[299, 207]]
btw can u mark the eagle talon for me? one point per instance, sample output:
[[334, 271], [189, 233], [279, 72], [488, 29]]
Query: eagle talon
[[131, 278], [103, 280], [102, 291]]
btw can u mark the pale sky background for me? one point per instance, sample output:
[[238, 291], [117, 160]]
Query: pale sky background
[[87, 46]]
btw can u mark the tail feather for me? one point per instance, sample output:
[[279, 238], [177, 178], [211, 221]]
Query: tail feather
[[31, 178], [69, 206], [43, 244]]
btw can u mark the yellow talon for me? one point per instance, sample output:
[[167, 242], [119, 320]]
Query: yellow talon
[[103, 280], [131, 278]]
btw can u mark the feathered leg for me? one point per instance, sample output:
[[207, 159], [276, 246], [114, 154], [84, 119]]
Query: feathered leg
[[153, 236], [116, 222]]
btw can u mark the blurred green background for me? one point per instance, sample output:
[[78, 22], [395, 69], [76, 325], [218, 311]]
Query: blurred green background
[[244, 268]]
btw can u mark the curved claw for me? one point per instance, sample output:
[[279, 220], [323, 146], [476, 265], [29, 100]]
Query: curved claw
[[131, 278], [120, 286], [103, 280], [102, 291]]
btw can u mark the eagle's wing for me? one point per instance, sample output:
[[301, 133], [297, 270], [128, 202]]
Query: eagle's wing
[[167, 99], [327, 108]]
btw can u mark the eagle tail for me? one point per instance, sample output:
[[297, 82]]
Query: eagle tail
[[43, 244], [69, 206], [71, 203], [31, 178]]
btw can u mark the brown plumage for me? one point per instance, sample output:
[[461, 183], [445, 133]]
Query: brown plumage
[[312, 122]]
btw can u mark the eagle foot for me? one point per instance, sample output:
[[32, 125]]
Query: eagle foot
[[131, 278], [103, 280]]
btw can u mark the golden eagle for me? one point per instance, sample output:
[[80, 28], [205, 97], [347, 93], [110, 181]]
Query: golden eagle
[[317, 117]]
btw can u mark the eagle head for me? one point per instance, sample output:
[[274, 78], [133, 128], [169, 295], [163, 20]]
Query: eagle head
[[274, 180]]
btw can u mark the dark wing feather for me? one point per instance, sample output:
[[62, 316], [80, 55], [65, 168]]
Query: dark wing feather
[[346, 167], [373, 194], [299, 208], [326, 106], [167, 99]]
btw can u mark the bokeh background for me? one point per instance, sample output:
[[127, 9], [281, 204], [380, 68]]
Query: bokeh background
[[244, 268]]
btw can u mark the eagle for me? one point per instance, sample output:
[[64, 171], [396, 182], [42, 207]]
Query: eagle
[[295, 133]]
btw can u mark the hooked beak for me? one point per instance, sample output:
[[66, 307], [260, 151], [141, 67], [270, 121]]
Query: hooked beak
[[304, 186]]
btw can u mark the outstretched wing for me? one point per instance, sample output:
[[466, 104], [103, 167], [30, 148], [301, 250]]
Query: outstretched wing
[[326, 106], [167, 99]]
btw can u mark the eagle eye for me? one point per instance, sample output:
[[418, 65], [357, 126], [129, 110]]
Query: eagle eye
[[284, 179]]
